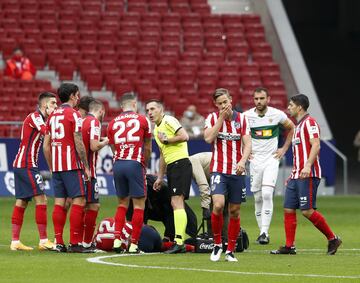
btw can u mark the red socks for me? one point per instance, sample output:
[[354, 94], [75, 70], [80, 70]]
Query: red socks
[[89, 225], [41, 220], [233, 233], [59, 219], [290, 228], [217, 222], [76, 224], [17, 221], [119, 220], [319, 222], [137, 223]]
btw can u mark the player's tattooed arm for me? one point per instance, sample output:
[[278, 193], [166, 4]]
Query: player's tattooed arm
[[80, 148]]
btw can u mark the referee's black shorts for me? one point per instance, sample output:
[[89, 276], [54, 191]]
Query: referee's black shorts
[[179, 175]]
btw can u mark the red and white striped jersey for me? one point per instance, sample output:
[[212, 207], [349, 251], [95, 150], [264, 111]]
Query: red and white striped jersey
[[91, 130], [127, 133], [61, 126], [305, 130], [227, 147], [32, 135]]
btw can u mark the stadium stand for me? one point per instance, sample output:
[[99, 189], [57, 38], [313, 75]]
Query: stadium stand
[[174, 50]]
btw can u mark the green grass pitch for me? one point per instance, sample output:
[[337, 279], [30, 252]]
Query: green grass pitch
[[311, 264]]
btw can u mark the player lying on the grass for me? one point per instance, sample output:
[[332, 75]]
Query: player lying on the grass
[[158, 208], [28, 181], [149, 241], [305, 177]]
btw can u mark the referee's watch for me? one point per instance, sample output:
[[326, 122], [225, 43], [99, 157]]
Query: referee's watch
[[165, 142]]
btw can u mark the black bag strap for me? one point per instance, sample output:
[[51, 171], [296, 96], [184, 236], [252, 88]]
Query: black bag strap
[[201, 227]]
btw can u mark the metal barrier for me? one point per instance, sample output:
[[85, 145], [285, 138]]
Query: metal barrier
[[345, 164]]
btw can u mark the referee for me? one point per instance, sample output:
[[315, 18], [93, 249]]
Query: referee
[[172, 139]]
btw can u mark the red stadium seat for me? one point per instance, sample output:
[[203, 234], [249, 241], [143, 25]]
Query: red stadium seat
[[188, 65], [203, 9], [158, 7]]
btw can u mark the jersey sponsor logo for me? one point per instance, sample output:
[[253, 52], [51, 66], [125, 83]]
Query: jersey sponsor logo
[[126, 146], [264, 133], [229, 136], [267, 133]]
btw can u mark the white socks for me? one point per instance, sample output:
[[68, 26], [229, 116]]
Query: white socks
[[264, 208]]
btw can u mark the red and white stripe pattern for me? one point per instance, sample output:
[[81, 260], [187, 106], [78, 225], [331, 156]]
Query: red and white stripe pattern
[[305, 130], [227, 147], [32, 133], [91, 129], [127, 132], [61, 125]]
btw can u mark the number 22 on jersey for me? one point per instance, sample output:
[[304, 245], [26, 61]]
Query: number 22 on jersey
[[125, 131]]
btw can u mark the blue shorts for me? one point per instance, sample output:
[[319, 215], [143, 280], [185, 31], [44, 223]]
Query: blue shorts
[[129, 178], [150, 240], [68, 184], [232, 185], [92, 191], [301, 193], [28, 183]]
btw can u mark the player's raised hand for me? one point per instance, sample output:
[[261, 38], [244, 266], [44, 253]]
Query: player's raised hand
[[225, 112]]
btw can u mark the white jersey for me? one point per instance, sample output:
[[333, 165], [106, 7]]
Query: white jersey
[[265, 131]]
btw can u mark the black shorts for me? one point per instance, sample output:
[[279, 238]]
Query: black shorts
[[179, 175]]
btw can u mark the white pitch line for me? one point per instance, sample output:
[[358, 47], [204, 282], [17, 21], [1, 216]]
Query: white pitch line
[[99, 260]]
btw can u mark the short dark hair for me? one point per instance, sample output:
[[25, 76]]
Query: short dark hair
[[65, 90], [17, 48], [219, 92], [260, 89], [45, 95], [85, 101], [301, 100], [95, 105], [157, 101], [127, 96]]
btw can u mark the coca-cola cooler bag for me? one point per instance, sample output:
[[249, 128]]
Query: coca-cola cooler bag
[[206, 245]]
